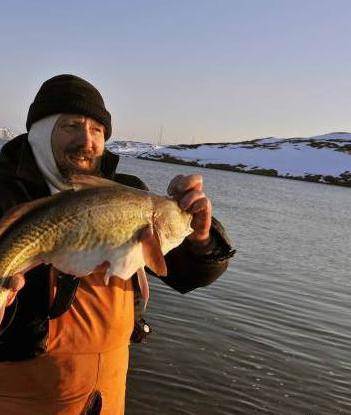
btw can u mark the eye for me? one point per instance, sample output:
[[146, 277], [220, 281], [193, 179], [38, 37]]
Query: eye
[[71, 126], [98, 130]]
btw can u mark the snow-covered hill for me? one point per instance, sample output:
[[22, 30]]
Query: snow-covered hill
[[6, 133], [325, 158]]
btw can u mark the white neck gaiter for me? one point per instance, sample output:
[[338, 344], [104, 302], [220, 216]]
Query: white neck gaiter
[[39, 138]]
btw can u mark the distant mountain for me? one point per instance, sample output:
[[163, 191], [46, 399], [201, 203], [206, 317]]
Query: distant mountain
[[6, 133], [324, 158]]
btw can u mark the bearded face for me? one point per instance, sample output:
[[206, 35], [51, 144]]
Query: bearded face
[[78, 143]]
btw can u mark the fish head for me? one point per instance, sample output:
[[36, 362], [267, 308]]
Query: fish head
[[171, 223]]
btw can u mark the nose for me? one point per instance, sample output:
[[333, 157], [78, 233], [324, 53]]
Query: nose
[[86, 137]]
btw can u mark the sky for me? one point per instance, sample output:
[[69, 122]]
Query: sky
[[186, 70]]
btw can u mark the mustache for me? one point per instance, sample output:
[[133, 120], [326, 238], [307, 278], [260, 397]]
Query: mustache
[[80, 152]]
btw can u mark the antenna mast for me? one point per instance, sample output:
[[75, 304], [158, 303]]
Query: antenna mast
[[161, 135]]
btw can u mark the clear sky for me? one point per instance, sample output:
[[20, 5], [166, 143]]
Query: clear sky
[[202, 70]]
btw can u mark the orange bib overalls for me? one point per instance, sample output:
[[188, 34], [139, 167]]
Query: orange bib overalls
[[87, 350]]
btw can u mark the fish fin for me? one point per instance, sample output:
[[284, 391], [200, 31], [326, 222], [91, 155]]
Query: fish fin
[[84, 181], [102, 270], [144, 285], [16, 213], [152, 253]]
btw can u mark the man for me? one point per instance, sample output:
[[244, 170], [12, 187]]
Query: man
[[63, 341]]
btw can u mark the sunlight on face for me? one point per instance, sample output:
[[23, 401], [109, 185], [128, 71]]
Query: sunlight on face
[[78, 143]]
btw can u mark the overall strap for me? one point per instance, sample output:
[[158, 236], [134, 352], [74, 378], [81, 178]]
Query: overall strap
[[66, 290]]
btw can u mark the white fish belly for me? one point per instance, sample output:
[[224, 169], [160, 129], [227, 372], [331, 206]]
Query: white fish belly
[[124, 261]]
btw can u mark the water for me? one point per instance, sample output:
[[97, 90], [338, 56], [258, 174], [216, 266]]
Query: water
[[273, 334]]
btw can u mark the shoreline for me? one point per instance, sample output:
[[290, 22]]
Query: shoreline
[[344, 181]]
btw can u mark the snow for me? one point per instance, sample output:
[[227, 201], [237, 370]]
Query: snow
[[294, 160], [6, 133], [131, 148], [326, 155]]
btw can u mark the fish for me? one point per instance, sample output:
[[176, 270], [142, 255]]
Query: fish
[[99, 223]]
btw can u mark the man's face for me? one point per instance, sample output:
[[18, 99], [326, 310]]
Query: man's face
[[77, 143]]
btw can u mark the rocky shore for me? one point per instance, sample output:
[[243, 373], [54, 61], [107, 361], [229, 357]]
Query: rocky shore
[[343, 180]]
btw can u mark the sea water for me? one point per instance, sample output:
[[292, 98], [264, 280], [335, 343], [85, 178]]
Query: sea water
[[273, 334]]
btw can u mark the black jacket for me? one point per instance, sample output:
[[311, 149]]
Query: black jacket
[[24, 330]]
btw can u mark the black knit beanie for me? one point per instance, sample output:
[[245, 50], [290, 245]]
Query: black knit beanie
[[69, 94]]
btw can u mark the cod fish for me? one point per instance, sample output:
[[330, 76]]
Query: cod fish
[[98, 223]]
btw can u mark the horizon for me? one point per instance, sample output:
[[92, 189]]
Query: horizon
[[145, 140], [190, 71]]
